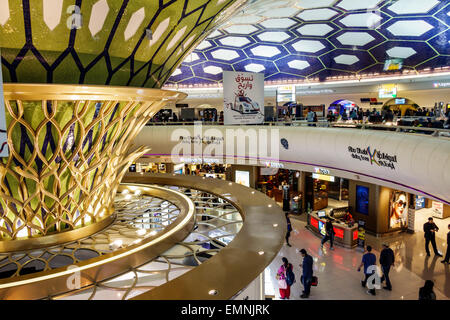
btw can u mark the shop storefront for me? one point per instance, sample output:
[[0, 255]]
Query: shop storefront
[[282, 185], [320, 185]]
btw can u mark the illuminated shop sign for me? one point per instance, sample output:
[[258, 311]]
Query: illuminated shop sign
[[286, 93], [387, 91], [311, 92], [376, 157], [323, 177], [270, 164], [441, 84], [321, 171]]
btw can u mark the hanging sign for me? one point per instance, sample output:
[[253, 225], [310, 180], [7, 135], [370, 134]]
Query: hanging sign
[[243, 94]]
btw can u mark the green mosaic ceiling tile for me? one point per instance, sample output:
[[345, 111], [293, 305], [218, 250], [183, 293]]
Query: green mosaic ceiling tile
[[91, 41]]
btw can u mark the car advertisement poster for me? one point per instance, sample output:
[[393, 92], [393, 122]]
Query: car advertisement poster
[[4, 151], [243, 94]]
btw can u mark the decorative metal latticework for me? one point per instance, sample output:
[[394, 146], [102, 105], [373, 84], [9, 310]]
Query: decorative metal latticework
[[66, 160], [217, 223], [138, 217]]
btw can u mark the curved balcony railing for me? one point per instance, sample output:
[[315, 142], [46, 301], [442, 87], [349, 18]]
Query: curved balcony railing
[[323, 123]]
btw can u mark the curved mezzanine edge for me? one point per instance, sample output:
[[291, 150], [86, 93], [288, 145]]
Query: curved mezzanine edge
[[257, 243], [46, 283], [420, 165]]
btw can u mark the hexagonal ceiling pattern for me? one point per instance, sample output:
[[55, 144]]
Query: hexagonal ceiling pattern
[[318, 39], [107, 42]]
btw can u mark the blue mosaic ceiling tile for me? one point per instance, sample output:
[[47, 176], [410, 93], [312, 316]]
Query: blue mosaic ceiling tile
[[299, 65], [441, 42], [227, 55], [327, 73], [419, 28], [411, 8], [257, 65], [181, 73], [360, 39], [199, 81], [435, 62], [444, 14], [412, 52], [284, 76], [211, 70], [347, 60], [342, 36], [309, 46], [234, 41], [265, 51], [319, 14], [367, 19]]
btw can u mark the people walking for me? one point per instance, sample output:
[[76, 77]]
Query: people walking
[[368, 261], [289, 229], [447, 255], [430, 229], [329, 233], [284, 280], [387, 260], [310, 117], [426, 292], [307, 273]]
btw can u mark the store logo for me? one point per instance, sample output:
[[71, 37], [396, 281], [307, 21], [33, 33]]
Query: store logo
[[376, 157]]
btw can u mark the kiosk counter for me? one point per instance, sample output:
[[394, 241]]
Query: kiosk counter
[[343, 234]]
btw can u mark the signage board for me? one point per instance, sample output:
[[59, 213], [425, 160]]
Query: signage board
[[387, 91], [243, 94], [438, 209], [361, 234], [323, 177]]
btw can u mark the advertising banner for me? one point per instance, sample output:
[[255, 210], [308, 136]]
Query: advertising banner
[[243, 95], [361, 234], [411, 219], [438, 209], [4, 151], [398, 212]]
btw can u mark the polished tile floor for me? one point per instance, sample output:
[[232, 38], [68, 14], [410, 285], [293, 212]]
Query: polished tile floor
[[337, 270]]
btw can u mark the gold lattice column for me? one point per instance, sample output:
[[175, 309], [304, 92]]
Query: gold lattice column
[[69, 148]]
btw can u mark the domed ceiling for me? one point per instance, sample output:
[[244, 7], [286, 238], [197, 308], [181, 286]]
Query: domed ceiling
[[102, 41], [316, 39]]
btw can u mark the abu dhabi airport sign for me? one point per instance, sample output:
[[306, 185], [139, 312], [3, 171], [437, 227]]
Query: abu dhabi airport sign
[[4, 151]]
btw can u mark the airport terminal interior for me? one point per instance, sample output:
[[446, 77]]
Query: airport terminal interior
[[225, 150]]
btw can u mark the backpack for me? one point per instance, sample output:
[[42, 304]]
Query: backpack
[[290, 276]]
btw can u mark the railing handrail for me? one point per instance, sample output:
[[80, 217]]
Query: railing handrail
[[323, 123]]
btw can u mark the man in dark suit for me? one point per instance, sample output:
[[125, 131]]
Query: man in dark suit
[[387, 259], [447, 255], [307, 268], [430, 228]]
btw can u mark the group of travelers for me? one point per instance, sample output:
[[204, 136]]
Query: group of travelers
[[286, 276]]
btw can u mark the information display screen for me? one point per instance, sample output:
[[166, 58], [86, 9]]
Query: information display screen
[[362, 199], [243, 177]]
